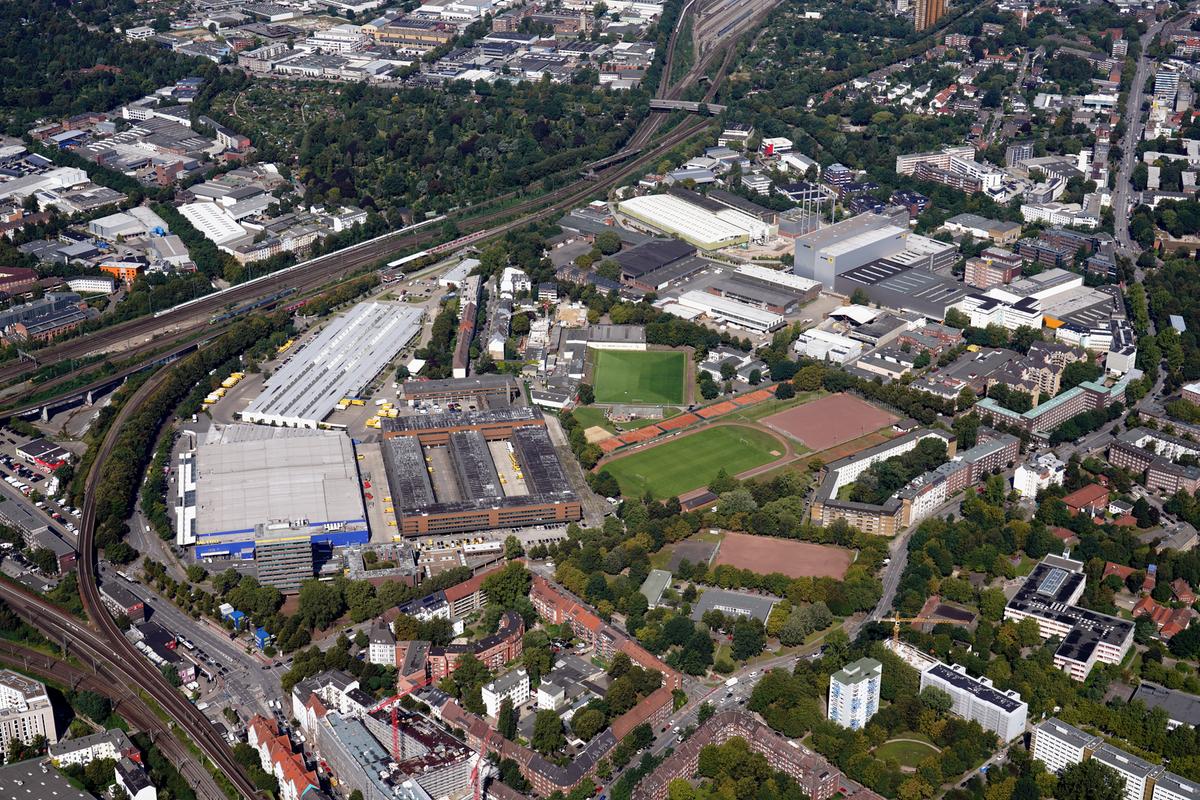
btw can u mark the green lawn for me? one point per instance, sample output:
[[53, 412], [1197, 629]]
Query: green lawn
[[692, 461], [906, 753], [653, 377]]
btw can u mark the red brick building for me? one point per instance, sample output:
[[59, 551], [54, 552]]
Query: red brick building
[[819, 779]]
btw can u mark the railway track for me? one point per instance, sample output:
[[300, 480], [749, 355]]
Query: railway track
[[106, 644], [194, 319], [129, 706]]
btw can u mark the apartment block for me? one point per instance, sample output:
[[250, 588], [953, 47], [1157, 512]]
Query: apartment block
[[25, 710], [1003, 713], [514, 686], [1059, 745], [854, 693]]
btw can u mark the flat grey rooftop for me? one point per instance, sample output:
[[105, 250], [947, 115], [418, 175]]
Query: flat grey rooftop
[[248, 476], [338, 362]]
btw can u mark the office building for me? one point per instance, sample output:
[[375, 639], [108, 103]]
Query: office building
[[284, 559], [1166, 84], [1002, 713], [513, 686], [854, 693], [25, 710], [1049, 596]]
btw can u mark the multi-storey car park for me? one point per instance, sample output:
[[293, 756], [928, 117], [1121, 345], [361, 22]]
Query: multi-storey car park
[[338, 362], [1049, 596], [475, 470]]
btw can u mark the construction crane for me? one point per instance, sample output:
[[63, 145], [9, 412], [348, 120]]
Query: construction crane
[[896, 620], [394, 702], [478, 774]]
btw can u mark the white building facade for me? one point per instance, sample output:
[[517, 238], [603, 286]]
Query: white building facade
[[854, 693]]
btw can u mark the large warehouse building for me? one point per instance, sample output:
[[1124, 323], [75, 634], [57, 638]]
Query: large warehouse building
[[826, 253], [254, 483], [474, 471], [337, 363], [706, 229]]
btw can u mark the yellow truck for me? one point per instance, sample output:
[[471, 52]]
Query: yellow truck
[[355, 401], [373, 422]]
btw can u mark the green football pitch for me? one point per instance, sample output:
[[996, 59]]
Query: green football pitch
[[652, 377], [689, 462]]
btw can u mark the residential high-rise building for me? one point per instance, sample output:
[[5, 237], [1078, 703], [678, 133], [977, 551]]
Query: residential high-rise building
[[928, 12], [854, 693], [25, 710]]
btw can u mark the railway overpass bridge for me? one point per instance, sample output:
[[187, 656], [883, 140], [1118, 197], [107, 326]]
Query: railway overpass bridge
[[90, 392], [691, 106]]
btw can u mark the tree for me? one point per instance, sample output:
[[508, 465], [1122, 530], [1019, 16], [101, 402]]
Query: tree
[[506, 587], [706, 710], [785, 391], [587, 395], [547, 732], [506, 719], [1089, 780], [608, 242], [749, 638], [937, 699], [587, 723], [320, 603], [512, 547]]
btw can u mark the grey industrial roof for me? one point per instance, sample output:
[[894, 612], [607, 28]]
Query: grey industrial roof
[[652, 255], [407, 475], [616, 333], [977, 689], [35, 779], [338, 362], [417, 423], [734, 603], [543, 472], [473, 465], [1180, 706], [248, 476], [895, 285], [475, 383], [759, 290]]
